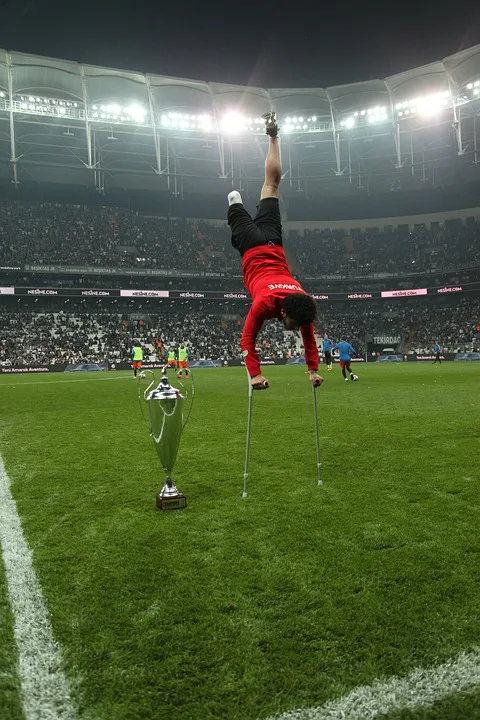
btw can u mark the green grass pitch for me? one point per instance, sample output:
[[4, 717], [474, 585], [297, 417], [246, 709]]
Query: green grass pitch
[[235, 608]]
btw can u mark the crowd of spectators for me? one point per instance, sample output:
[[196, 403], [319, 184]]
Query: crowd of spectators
[[74, 235], [60, 337], [54, 234], [419, 324], [396, 251], [73, 337]]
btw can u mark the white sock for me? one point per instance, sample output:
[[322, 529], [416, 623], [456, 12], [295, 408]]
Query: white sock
[[234, 197]]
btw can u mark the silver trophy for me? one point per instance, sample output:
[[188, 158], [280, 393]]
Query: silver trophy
[[166, 406]]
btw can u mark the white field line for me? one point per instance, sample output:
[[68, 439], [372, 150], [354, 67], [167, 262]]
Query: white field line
[[422, 688], [52, 382], [45, 688]]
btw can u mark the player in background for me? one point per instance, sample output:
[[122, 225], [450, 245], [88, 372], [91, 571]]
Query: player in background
[[137, 358], [346, 353], [274, 291], [437, 350], [182, 355], [171, 359], [327, 351]]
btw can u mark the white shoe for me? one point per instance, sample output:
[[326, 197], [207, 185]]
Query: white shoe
[[234, 198], [346, 379]]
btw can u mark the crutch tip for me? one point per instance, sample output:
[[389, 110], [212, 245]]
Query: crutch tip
[[244, 494]]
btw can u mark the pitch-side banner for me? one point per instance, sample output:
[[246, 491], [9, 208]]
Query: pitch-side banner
[[403, 293], [27, 369], [212, 294]]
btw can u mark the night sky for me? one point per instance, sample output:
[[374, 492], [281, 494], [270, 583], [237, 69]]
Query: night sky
[[315, 44]]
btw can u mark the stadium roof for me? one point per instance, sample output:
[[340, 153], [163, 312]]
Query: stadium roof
[[61, 121]]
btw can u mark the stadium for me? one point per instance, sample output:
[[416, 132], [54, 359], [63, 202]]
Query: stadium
[[355, 598]]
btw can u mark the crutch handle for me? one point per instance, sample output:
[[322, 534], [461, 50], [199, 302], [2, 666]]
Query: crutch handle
[[260, 386]]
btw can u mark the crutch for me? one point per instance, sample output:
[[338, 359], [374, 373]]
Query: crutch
[[249, 432], [317, 436]]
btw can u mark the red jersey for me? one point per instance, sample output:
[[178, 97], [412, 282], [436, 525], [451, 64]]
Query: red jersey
[[269, 280]]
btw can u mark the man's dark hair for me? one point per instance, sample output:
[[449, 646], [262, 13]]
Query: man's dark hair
[[300, 307]]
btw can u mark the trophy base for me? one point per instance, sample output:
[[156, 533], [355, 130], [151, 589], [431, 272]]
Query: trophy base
[[171, 502], [170, 498]]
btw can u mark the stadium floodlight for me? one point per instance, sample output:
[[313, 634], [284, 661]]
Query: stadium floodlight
[[205, 122], [136, 112], [377, 114], [232, 123], [370, 115], [112, 109], [348, 123], [426, 105], [432, 104]]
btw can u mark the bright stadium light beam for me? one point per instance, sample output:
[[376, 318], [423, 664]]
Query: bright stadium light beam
[[136, 112], [205, 122], [113, 109], [432, 104], [232, 123]]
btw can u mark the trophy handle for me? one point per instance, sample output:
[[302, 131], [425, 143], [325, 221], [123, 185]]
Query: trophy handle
[[148, 424], [192, 398], [148, 388]]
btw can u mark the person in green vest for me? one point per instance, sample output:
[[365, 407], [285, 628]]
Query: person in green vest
[[137, 357], [171, 359], [183, 355]]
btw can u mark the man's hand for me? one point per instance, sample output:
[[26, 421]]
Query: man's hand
[[315, 378], [259, 382]]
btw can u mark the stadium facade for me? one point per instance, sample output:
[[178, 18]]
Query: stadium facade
[[412, 139]]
